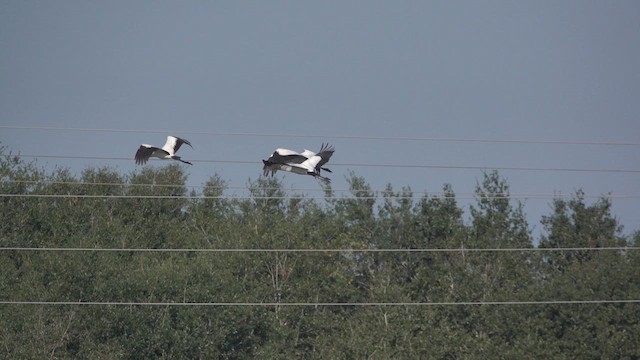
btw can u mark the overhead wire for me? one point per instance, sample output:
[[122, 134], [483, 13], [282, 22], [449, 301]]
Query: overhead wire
[[328, 250], [294, 197], [392, 194], [325, 136], [323, 304], [381, 165]]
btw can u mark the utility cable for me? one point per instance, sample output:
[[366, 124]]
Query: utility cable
[[341, 137], [414, 166], [324, 304], [352, 250]]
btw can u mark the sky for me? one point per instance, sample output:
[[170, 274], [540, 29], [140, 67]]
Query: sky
[[387, 83]]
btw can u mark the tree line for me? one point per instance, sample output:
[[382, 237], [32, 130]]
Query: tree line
[[469, 301]]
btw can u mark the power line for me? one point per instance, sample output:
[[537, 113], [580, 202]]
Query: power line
[[414, 166], [78, 157], [456, 195], [341, 137], [250, 250], [295, 197], [319, 304], [84, 183]]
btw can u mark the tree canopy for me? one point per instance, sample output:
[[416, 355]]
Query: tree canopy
[[109, 265]]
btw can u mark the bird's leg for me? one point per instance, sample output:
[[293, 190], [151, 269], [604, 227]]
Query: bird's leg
[[180, 159]]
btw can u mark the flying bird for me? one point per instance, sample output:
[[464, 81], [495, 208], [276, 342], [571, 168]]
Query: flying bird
[[325, 153], [305, 163], [306, 167], [167, 152]]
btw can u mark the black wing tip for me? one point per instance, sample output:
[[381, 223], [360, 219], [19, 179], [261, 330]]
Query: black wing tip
[[184, 141], [139, 157], [327, 147]]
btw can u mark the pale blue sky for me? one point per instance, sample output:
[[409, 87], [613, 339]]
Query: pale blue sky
[[511, 70]]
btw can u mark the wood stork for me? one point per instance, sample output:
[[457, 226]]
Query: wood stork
[[167, 152], [305, 163]]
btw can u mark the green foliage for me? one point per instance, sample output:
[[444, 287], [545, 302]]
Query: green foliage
[[152, 209]]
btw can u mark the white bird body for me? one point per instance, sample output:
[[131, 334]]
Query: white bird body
[[284, 156], [325, 153], [305, 163], [167, 152], [308, 153]]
